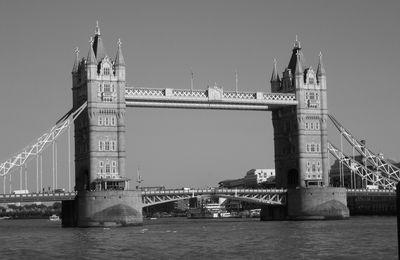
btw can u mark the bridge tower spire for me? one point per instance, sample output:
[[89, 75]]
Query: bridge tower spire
[[300, 134], [100, 160]]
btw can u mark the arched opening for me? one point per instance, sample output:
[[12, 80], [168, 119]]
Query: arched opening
[[293, 178]]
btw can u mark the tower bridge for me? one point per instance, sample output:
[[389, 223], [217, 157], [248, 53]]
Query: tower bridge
[[298, 103]]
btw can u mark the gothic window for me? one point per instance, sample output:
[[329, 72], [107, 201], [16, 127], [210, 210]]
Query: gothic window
[[311, 80], [106, 121], [107, 167], [113, 146], [107, 88], [101, 165], [112, 88], [114, 166], [113, 119], [307, 126], [312, 126], [312, 99], [107, 145], [313, 168], [317, 126], [106, 71], [101, 146], [312, 148], [318, 167], [100, 120]]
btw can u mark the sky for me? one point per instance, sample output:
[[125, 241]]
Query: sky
[[163, 40]]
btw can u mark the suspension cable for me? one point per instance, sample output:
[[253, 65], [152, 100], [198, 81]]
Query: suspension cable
[[42, 142], [384, 167]]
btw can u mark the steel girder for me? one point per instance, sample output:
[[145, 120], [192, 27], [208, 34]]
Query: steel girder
[[260, 196]]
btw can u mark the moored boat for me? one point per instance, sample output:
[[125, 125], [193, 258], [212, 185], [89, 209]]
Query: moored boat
[[54, 217]]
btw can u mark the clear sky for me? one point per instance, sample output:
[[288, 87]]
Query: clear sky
[[163, 39]]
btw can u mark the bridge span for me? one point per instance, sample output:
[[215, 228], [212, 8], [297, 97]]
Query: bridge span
[[149, 198]]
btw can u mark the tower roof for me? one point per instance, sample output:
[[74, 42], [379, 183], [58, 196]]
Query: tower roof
[[119, 58], [295, 52], [98, 47], [320, 69], [274, 76]]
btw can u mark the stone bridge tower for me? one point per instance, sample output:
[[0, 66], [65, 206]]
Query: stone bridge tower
[[300, 141], [100, 133], [101, 183]]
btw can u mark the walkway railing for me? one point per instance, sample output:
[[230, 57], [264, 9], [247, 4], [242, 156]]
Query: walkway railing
[[212, 98]]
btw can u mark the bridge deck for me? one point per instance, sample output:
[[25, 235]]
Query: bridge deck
[[212, 98], [265, 196], [37, 197]]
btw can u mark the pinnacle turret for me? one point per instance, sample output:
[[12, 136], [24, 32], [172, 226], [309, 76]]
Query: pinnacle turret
[[76, 62], [320, 69], [119, 58], [275, 76], [299, 68], [91, 59]]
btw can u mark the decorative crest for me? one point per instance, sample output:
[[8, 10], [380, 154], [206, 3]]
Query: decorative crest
[[297, 43], [97, 31]]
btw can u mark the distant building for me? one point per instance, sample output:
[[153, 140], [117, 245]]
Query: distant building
[[254, 178], [258, 176]]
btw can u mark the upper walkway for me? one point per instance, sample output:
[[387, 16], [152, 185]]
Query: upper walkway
[[212, 98]]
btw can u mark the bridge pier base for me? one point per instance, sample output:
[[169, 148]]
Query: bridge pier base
[[103, 209], [317, 203], [272, 212]]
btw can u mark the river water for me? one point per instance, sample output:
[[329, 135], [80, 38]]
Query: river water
[[181, 238]]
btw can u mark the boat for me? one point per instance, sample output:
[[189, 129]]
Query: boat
[[54, 217], [195, 213]]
